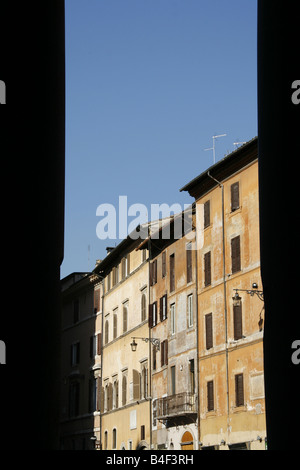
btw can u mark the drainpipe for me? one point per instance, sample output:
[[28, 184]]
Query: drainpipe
[[197, 339], [150, 350], [225, 299]]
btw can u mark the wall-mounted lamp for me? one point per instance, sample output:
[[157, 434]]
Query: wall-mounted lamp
[[222, 443], [252, 292], [154, 341]]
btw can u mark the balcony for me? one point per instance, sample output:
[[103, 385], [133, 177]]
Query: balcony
[[177, 409]]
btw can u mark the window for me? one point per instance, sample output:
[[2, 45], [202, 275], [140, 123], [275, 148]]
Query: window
[[124, 389], [237, 321], [210, 396], [235, 196], [125, 265], [144, 255], [75, 354], [163, 307], [105, 440], [173, 381], [239, 390], [125, 318], [164, 353], [96, 300], [172, 272], [74, 399], [144, 381], [207, 269], [209, 331], [142, 432], [115, 324], [189, 271], [114, 438], [190, 310], [153, 272], [192, 376], [95, 345], [206, 214], [154, 358], [92, 394], [106, 331], [115, 274], [152, 314], [143, 307], [116, 394], [173, 319], [108, 280], [235, 254], [163, 264], [76, 311]]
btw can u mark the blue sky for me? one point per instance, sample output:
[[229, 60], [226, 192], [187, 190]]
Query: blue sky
[[148, 83]]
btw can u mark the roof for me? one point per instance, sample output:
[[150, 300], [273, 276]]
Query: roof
[[224, 168]]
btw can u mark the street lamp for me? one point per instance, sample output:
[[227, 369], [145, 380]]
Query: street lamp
[[154, 341], [252, 292]]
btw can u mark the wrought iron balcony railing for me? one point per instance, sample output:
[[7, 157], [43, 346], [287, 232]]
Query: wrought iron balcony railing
[[184, 403]]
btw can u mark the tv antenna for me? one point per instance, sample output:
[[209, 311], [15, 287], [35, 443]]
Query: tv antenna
[[238, 143], [213, 147]]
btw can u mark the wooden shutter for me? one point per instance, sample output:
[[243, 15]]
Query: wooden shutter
[[125, 318], [150, 315], [154, 273], [136, 385], [207, 269], [235, 254], [239, 390], [235, 196], [128, 264], [189, 272], [92, 346], [161, 308], [172, 272], [163, 265], [99, 343], [115, 326], [96, 300], [206, 214], [210, 395], [166, 352], [110, 397], [123, 264], [124, 390], [162, 353], [209, 331], [237, 321]]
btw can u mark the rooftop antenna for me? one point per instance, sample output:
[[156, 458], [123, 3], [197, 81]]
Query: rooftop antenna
[[213, 147], [238, 143]]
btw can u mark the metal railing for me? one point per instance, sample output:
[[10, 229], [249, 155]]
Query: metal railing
[[179, 404]]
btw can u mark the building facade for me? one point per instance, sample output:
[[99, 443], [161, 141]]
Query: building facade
[[80, 360], [162, 344], [230, 306]]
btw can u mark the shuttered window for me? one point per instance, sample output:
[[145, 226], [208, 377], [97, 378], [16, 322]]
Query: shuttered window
[[206, 214], [189, 272], [237, 321], [164, 353], [143, 307], [136, 376], [153, 272], [209, 331], [124, 390], [96, 300], [163, 264], [106, 331], [235, 254], [235, 196], [210, 396], [239, 390], [99, 345], [172, 272], [207, 269], [163, 307], [115, 325], [125, 318]]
